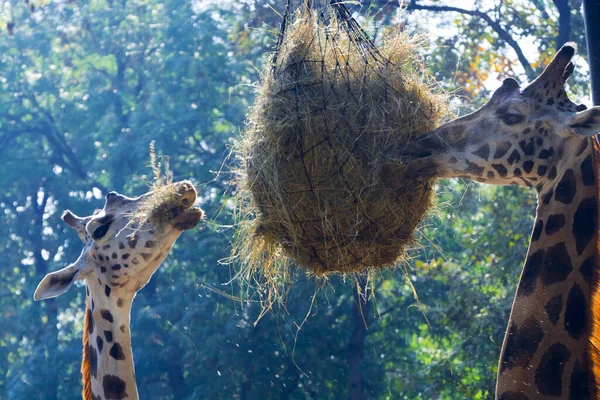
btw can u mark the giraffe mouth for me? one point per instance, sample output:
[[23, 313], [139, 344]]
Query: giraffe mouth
[[186, 219]]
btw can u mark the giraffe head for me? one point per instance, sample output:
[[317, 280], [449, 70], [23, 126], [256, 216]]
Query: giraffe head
[[518, 137], [119, 253]]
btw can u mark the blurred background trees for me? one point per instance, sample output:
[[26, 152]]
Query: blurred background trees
[[85, 87]]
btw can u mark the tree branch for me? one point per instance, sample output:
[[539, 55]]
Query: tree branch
[[502, 33], [564, 22]]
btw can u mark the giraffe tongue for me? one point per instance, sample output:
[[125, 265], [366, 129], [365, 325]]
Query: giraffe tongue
[[186, 219]]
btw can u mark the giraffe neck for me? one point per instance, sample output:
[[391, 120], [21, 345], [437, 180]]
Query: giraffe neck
[[107, 367], [544, 355]]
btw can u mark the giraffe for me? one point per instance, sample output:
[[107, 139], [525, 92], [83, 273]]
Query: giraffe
[[536, 137], [117, 260]]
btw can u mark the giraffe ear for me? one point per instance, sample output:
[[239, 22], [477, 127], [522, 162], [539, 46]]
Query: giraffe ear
[[56, 283], [585, 123]]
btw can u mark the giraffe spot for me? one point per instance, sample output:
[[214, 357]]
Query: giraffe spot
[[582, 147], [145, 256], [126, 266], [555, 223], [474, 169], [530, 273], [552, 173], [587, 171], [542, 170], [565, 190], [514, 157], [116, 267], [513, 396], [501, 149], [483, 152], [548, 196], [102, 269], [586, 269], [522, 344], [100, 344], [114, 387], [108, 336], [550, 101], [93, 360], [116, 352], [114, 256], [149, 244], [527, 147], [579, 385], [548, 374], [537, 230], [557, 264], [106, 314], [100, 257], [93, 305], [106, 247], [517, 172], [490, 175], [585, 223], [119, 302], [90, 324], [107, 290], [553, 308], [132, 242], [501, 169], [575, 313], [121, 245], [125, 256], [528, 166], [122, 328]]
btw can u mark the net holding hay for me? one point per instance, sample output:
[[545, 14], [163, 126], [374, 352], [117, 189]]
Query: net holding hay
[[321, 180]]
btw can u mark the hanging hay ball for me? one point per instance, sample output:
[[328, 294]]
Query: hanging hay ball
[[321, 179]]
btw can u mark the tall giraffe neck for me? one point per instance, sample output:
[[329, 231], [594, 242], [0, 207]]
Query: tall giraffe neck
[[545, 349], [107, 367]]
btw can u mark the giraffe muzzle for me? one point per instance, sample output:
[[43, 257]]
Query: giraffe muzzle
[[424, 146], [185, 216]]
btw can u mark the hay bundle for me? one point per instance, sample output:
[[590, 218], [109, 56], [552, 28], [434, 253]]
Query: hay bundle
[[320, 178]]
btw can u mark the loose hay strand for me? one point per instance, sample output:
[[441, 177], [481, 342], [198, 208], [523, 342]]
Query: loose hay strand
[[158, 207], [320, 179]]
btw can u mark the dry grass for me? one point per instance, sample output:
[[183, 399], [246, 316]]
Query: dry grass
[[165, 202], [321, 178]]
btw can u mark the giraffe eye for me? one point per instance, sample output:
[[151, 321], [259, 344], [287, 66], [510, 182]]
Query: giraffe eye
[[513, 119], [100, 231]]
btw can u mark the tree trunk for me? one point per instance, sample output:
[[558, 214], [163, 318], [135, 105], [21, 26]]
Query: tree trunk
[[175, 374], [564, 22], [356, 347], [49, 338]]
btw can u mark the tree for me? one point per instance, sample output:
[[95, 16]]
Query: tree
[[84, 88]]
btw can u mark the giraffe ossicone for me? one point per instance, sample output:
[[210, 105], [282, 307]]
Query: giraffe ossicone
[[536, 137], [121, 251]]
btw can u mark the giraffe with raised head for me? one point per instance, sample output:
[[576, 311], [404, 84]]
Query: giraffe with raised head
[[119, 256], [536, 137]]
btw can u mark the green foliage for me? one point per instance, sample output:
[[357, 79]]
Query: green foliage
[[85, 88]]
